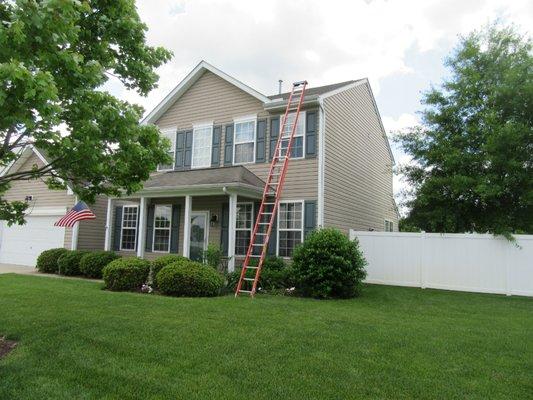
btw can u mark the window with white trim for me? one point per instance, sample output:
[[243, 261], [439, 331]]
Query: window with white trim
[[243, 227], [202, 140], [298, 142], [389, 226], [290, 227], [128, 231], [244, 141], [170, 134], [162, 226]]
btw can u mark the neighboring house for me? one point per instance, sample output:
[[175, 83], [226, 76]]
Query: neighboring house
[[223, 134], [22, 245]]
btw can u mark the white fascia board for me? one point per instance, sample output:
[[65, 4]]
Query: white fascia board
[[188, 81]]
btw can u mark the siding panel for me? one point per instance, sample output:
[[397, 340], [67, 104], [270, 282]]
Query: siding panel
[[358, 168]]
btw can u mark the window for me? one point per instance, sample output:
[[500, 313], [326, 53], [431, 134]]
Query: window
[[162, 224], [170, 134], [389, 226], [297, 149], [202, 139], [244, 141], [244, 226], [290, 227], [128, 232]]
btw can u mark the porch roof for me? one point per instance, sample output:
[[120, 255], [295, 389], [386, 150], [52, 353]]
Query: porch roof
[[196, 180]]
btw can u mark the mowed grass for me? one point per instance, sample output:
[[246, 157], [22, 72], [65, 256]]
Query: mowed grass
[[77, 341]]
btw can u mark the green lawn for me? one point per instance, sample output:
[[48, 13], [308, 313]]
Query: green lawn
[[77, 341]]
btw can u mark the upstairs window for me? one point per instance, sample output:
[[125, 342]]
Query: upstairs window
[[170, 134], [297, 149], [128, 232], [202, 139], [244, 141]]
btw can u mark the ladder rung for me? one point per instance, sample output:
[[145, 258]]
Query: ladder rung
[[245, 291], [250, 267], [258, 244], [249, 279]]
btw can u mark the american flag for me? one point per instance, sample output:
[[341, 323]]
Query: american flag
[[79, 212]]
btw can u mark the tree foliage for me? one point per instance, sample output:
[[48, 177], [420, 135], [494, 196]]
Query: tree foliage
[[473, 154], [54, 57]]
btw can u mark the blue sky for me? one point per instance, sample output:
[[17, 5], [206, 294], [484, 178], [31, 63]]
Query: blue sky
[[398, 45]]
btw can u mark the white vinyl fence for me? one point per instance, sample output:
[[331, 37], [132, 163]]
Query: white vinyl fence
[[466, 262]]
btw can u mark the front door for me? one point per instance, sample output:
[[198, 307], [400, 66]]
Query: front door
[[199, 234]]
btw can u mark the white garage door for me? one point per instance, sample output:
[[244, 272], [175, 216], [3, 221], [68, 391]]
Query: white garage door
[[21, 245]]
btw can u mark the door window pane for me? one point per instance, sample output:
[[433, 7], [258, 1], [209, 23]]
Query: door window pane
[[198, 236]]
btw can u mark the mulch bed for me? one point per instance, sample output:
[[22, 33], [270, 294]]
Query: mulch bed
[[6, 346]]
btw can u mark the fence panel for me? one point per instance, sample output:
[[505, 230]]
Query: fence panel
[[466, 262]]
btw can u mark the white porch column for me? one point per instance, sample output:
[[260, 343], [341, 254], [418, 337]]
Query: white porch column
[[75, 231], [231, 231], [108, 224], [141, 236], [187, 226]]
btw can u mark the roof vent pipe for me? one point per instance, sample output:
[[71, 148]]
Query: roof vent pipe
[[280, 82]]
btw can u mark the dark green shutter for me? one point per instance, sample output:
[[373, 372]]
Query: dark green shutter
[[224, 228], [180, 150], [309, 217], [149, 227], [274, 133], [188, 150], [175, 229], [260, 149], [215, 149], [117, 228], [272, 241], [228, 145], [310, 134]]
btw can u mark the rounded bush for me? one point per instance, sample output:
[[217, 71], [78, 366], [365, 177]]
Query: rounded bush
[[47, 260], [328, 265], [163, 261], [126, 274], [92, 264], [190, 279], [69, 263]]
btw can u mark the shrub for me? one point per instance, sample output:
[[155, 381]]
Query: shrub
[[275, 275], [189, 279], [69, 262], [213, 256], [328, 265], [126, 274], [163, 261], [47, 260], [91, 264]]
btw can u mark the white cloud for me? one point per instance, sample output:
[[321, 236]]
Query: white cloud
[[260, 42]]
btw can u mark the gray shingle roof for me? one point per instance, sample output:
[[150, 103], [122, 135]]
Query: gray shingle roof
[[209, 176], [315, 90]]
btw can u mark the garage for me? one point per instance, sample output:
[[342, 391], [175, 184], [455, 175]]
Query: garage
[[21, 245]]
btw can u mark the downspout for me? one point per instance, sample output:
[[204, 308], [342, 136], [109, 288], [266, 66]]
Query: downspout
[[321, 162]]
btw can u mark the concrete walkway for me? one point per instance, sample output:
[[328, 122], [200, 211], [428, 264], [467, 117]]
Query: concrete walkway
[[25, 270], [17, 269]]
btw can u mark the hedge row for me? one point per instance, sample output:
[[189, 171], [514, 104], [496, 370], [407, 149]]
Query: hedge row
[[74, 262]]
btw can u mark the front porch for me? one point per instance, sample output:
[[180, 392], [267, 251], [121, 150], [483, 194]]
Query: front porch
[[184, 212]]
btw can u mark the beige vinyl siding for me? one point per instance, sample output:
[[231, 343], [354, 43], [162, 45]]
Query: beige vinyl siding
[[212, 99], [42, 195], [91, 233], [358, 166]]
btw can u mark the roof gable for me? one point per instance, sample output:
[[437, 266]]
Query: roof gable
[[190, 80]]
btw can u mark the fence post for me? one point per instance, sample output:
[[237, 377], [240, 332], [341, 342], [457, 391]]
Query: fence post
[[508, 290], [421, 260]]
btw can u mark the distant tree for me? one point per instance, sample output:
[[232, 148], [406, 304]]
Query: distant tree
[[54, 57], [473, 154]]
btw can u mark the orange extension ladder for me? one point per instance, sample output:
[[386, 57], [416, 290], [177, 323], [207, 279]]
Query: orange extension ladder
[[266, 216]]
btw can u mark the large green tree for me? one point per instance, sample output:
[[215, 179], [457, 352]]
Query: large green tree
[[472, 166], [54, 57]]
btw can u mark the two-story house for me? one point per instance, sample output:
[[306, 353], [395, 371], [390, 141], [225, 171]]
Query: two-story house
[[223, 134]]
